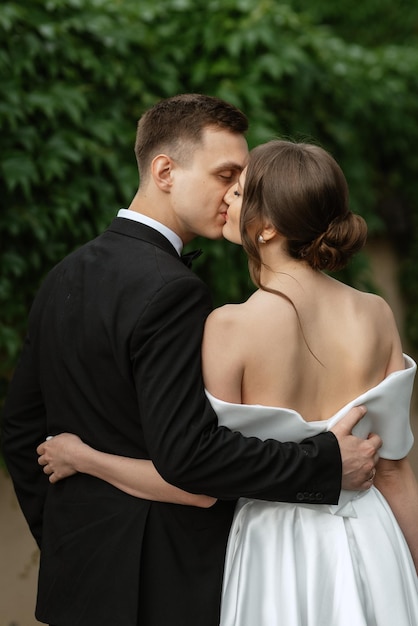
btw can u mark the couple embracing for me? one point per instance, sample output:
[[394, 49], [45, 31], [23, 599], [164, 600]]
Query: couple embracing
[[210, 454]]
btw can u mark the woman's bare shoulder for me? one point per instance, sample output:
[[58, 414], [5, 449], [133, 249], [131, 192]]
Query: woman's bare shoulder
[[227, 314], [375, 305], [223, 324]]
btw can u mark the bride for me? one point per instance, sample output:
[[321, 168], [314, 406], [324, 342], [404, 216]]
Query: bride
[[287, 364]]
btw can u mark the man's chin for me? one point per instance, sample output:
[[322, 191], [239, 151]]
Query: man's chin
[[215, 235]]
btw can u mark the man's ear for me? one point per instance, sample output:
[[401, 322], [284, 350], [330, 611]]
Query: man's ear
[[161, 172]]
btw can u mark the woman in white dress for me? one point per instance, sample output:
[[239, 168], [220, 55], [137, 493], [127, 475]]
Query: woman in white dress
[[300, 352]]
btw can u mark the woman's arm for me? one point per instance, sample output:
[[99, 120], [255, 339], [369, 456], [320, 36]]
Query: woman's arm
[[396, 481], [65, 455]]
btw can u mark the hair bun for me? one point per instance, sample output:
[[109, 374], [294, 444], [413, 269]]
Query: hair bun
[[333, 249]]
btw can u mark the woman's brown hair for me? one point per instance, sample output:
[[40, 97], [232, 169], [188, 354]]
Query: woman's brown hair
[[302, 192]]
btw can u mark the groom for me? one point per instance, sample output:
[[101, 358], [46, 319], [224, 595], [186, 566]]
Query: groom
[[113, 355]]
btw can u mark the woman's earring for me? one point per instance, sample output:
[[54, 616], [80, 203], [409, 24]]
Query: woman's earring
[[261, 239]]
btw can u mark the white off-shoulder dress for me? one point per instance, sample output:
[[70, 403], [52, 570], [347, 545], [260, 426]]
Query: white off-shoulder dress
[[318, 565]]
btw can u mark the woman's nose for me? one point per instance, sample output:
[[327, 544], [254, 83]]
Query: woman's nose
[[228, 195]]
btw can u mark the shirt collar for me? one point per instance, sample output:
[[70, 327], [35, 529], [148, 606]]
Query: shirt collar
[[169, 234]]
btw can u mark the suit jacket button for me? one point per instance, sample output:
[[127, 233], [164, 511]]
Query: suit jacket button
[[319, 496], [299, 496]]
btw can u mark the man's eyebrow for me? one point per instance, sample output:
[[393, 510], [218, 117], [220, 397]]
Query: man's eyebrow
[[229, 165]]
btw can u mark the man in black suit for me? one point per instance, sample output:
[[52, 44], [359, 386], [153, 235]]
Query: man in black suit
[[113, 355]]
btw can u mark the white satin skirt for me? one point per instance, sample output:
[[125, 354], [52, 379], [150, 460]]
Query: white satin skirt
[[306, 565]]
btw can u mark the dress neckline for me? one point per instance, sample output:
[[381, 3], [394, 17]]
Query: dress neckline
[[410, 369]]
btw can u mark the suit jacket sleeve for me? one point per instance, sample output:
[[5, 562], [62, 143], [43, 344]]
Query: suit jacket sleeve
[[24, 418], [187, 446]]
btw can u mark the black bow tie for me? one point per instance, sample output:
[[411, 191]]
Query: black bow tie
[[189, 257]]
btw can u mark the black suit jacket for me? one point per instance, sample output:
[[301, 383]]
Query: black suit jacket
[[113, 355]]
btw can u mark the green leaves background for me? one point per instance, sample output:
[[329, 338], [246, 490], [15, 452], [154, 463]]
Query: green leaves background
[[75, 75]]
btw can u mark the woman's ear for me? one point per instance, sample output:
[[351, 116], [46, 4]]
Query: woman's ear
[[161, 172], [268, 233]]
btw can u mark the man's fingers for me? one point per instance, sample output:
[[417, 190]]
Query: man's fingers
[[375, 440], [347, 423]]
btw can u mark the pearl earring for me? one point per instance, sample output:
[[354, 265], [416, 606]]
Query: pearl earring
[[261, 239]]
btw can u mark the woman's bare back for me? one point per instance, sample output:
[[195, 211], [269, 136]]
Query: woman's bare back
[[314, 357]]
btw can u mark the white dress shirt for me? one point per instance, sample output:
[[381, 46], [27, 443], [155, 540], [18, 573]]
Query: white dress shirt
[[169, 234]]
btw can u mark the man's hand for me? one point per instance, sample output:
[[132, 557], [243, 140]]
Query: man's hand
[[359, 456]]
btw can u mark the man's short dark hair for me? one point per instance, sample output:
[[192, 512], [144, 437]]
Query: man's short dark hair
[[177, 123]]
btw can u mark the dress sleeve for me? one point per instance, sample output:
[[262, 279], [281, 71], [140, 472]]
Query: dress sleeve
[[388, 412]]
